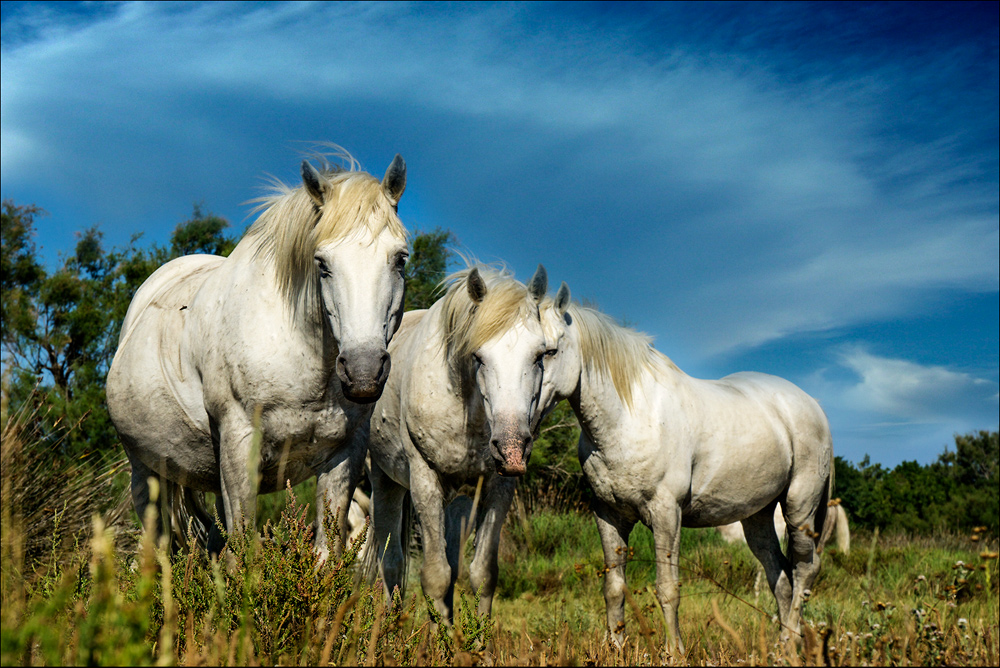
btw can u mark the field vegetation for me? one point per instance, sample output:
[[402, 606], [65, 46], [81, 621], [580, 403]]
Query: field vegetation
[[81, 585]]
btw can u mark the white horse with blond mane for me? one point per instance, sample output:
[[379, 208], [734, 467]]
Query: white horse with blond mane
[[666, 449], [286, 338], [455, 415]]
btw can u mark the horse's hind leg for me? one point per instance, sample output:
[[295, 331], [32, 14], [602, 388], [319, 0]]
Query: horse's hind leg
[[805, 511], [763, 542], [614, 530], [145, 500], [458, 524], [388, 499]]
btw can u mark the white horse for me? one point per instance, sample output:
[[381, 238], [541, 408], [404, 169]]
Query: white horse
[[286, 338], [836, 524], [456, 413], [661, 447]]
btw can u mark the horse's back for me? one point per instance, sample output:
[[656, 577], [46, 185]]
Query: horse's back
[[784, 402], [172, 285], [153, 389]]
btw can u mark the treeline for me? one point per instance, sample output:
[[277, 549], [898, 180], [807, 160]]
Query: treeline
[[60, 332], [958, 492]]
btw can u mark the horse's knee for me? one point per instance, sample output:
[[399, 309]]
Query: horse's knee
[[435, 578]]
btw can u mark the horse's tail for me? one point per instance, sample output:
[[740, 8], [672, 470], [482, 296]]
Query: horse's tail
[[835, 518], [843, 530], [186, 511], [824, 518]]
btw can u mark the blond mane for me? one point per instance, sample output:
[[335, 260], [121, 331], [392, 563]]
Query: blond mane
[[616, 352], [287, 232], [468, 325]]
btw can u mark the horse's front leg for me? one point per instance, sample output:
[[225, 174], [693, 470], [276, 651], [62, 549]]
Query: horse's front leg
[[614, 529], [238, 475], [493, 507], [665, 520], [335, 483], [149, 509], [390, 531], [427, 494]]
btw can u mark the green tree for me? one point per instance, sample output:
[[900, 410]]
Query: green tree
[[427, 267], [957, 492], [202, 233]]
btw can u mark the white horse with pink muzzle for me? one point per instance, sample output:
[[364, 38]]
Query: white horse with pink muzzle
[[455, 411]]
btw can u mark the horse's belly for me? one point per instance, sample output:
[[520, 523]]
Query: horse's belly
[[732, 493], [161, 421]]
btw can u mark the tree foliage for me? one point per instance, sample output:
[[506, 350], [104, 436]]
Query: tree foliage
[[61, 326], [959, 491], [427, 267]]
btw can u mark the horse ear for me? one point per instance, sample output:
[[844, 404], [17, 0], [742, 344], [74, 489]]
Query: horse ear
[[476, 285], [310, 179], [539, 283], [394, 182], [562, 299]]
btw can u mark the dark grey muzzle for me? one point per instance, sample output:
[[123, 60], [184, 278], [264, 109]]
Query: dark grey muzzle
[[363, 372]]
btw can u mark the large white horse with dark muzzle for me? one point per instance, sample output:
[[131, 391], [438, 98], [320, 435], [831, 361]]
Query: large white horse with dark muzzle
[[666, 449], [456, 414], [286, 338]]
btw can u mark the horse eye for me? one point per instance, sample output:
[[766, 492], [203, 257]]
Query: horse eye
[[551, 352], [477, 359], [401, 261], [324, 271]]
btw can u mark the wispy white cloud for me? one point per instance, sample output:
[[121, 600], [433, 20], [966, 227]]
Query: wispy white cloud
[[917, 393]]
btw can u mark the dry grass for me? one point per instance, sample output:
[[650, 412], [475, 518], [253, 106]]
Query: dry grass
[[75, 590]]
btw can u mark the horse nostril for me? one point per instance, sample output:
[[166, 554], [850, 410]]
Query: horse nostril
[[342, 368]]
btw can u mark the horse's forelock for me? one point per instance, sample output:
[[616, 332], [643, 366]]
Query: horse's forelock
[[287, 233], [471, 325]]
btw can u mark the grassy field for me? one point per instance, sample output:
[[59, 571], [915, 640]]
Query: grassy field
[[87, 589]]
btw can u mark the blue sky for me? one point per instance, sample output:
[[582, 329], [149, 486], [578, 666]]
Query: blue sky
[[809, 190]]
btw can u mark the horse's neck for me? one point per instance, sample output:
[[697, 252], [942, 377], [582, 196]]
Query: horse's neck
[[604, 415], [305, 322], [439, 400], [597, 405]]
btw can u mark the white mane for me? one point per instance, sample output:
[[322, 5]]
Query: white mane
[[611, 350]]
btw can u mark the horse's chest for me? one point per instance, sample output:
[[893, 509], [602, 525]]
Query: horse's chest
[[308, 428], [625, 485]]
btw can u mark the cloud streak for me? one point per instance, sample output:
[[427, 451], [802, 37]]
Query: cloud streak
[[917, 393]]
